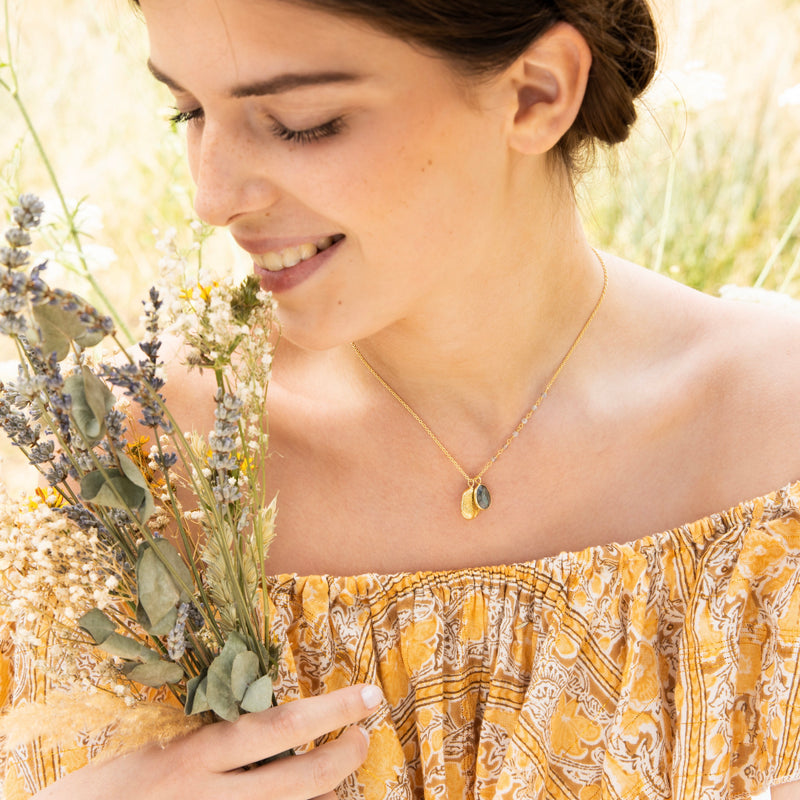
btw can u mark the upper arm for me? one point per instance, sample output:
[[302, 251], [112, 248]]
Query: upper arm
[[786, 791]]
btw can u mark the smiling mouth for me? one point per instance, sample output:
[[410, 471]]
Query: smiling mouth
[[277, 260]]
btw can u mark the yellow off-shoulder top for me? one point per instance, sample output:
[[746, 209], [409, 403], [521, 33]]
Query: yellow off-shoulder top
[[668, 667]]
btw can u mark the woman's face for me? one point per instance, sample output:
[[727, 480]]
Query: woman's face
[[319, 139]]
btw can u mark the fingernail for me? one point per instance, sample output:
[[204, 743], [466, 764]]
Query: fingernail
[[365, 732], [372, 696]]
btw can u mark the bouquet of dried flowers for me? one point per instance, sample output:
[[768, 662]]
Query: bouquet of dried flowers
[[149, 558]]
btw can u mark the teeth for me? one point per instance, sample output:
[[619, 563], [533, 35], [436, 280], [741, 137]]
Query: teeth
[[307, 251], [270, 261], [290, 256]]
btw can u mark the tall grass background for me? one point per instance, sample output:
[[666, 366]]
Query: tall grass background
[[706, 190]]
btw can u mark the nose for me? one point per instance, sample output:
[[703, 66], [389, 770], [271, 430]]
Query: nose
[[229, 175]]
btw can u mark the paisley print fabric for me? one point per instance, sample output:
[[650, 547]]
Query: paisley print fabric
[[664, 668]]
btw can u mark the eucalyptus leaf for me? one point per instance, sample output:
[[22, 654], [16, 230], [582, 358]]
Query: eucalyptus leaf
[[112, 488], [191, 689], [218, 688], [243, 672], [196, 700], [234, 645], [134, 475], [58, 327], [154, 673], [158, 594], [161, 576], [97, 625], [91, 401], [258, 696], [54, 336], [220, 697], [167, 552], [157, 627], [129, 649]]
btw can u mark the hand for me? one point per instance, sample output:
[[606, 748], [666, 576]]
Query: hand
[[209, 763]]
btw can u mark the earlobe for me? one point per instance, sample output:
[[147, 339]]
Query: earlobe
[[549, 82]]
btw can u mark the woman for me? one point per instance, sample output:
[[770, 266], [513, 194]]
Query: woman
[[402, 176]]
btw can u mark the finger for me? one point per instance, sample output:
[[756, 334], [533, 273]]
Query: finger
[[312, 774], [224, 746]]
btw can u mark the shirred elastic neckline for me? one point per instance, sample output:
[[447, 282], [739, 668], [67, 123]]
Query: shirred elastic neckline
[[696, 532]]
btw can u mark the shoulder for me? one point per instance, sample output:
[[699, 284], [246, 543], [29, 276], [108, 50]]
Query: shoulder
[[731, 345], [754, 383], [749, 354], [730, 370]]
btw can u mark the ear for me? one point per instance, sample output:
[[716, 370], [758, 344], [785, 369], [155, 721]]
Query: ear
[[548, 82]]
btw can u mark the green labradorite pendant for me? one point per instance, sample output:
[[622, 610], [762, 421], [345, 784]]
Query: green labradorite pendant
[[482, 497], [474, 500]]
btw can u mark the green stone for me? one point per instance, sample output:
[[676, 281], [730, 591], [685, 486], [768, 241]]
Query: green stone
[[482, 497]]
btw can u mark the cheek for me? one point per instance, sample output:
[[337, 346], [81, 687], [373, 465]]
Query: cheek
[[428, 188], [411, 171]]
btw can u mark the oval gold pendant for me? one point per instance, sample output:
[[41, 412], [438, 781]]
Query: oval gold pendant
[[468, 508]]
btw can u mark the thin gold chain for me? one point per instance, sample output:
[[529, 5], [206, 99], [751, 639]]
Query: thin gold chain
[[473, 481]]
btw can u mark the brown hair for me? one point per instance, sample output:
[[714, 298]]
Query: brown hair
[[482, 38]]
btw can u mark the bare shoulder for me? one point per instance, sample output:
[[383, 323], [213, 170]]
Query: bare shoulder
[[752, 352], [735, 367]]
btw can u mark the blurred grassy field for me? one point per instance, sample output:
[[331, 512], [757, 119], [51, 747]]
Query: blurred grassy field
[[705, 190], [723, 119]]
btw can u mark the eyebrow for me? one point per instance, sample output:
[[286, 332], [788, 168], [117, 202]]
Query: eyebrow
[[277, 85]]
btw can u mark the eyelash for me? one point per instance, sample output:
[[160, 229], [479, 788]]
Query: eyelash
[[307, 136], [182, 117]]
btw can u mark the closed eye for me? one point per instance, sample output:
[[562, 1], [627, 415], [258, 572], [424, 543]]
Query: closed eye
[[308, 135], [281, 131], [181, 117]]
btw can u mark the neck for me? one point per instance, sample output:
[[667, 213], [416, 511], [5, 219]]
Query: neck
[[478, 354]]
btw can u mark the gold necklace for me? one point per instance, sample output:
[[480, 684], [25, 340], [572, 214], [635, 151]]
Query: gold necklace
[[477, 498]]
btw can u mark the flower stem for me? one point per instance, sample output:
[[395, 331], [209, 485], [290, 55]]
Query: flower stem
[[778, 249], [658, 262], [74, 234]]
